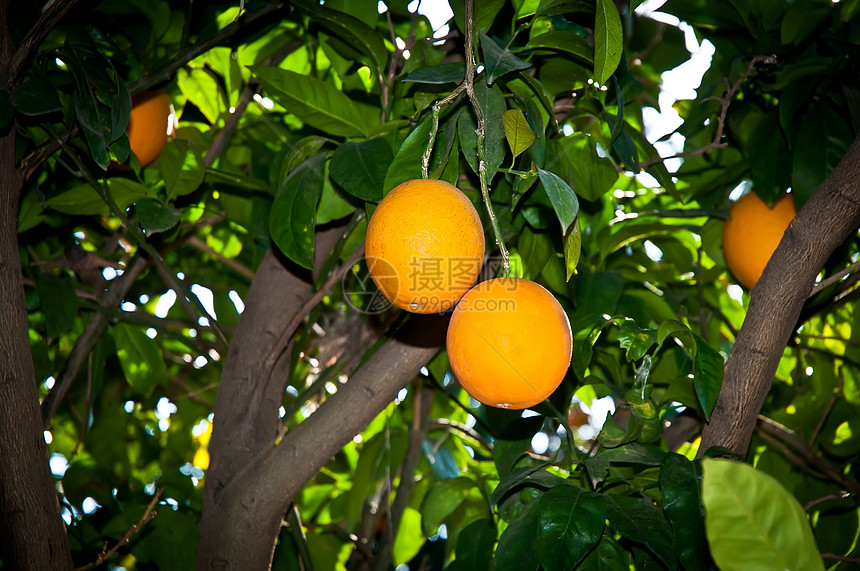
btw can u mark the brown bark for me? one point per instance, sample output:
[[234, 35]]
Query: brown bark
[[32, 533], [250, 484], [830, 215]]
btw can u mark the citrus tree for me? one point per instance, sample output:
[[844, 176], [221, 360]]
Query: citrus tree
[[199, 369]]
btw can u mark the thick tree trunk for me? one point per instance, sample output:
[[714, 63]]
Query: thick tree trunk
[[32, 533], [250, 482], [828, 218]]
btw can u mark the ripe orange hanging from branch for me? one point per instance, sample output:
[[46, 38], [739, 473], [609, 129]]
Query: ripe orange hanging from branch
[[148, 125], [424, 246], [509, 343], [752, 233]]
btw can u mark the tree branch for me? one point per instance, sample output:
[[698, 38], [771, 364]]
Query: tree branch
[[147, 516], [52, 13], [830, 215], [724, 101]]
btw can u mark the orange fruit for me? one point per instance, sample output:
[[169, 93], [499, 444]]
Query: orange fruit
[[424, 246], [509, 343], [752, 233], [148, 125]]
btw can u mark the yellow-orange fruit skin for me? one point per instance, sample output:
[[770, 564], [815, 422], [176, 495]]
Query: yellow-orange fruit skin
[[509, 343], [148, 125], [424, 246], [752, 233]]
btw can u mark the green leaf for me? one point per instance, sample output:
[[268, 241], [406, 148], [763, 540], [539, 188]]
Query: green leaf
[[485, 14], [95, 121], [822, 140], [84, 199], [59, 303], [181, 168], [562, 197], [350, 29], [441, 500], [752, 522], [497, 60], [708, 367], [360, 168], [332, 206], [572, 248], [570, 524], [140, 358], [635, 340], [517, 130], [563, 41], [475, 547], [594, 175], [770, 160], [536, 250], [516, 550], [608, 40], [492, 102], [217, 176], [682, 505], [292, 221], [317, 103], [36, 96], [586, 330], [438, 74], [202, 89], [642, 524], [155, 217], [407, 162]]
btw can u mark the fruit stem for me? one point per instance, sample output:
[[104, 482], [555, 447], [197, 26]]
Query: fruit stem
[[469, 82]]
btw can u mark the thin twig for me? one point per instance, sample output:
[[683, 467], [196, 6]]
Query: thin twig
[[52, 13], [841, 495], [92, 332], [284, 340], [196, 242], [724, 101], [148, 515], [834, 278], [842, 558], [773, 428]]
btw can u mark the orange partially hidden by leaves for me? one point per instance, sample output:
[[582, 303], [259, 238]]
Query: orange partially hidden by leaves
[[424, 246], [509, 343], [148, 125], [752, 233]]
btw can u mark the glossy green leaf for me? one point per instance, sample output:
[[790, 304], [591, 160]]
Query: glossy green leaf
[[516, 550], [140, 357], [752, 522], [822, 140], [594, 175], [497, 60], [201, 87], [770, 161], [317, 103], [475, 547], [352, 30], [608, 40], [570, 524], [441, 500], [84, 199], [492, 102], [572, 248], [563, 41], [36, 96], [59, 303], [292, 220], [181, 168], [680, 483], [635, 340], [708, 368], [562, 196], [642, 524], [586, 330], [517, 130], [360, 168], [155, 217], [438, 74], [407, 161]]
